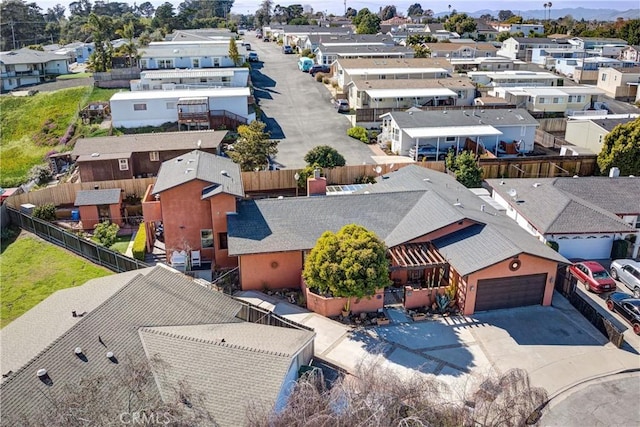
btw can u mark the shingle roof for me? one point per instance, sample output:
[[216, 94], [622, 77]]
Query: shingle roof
[[405, 205], [222, 173], [160, 298], [470, 117], [570, 205], [609, 124], [109, 196], [126, 144], [256, 358], [28, 56]]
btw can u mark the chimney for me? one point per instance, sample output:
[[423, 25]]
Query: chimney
[[614, 172], [316, 185]]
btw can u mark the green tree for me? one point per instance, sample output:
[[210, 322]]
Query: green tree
[[370, 24], [128, 33], [467, 170], [415, 10], [22, 22], [503, 35], [621, 149], [388, 12], [325, 157], [503, 15], [263, 14], [100, 27], [233, 52], [350, 263], [630, 31], [253, 148], [106, 233], [461, 23]]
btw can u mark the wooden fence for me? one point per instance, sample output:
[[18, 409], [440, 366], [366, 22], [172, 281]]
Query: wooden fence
[[95, 253], [541, 167], [65, 194], [558, 124], [549, 140]]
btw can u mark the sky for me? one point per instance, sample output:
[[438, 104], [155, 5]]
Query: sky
[[337, 6]]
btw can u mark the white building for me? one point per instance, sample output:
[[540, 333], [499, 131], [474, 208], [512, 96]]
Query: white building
[[27, 67], [191, 79], [189, 54], [565, 99], [157, 107], [513, 78]]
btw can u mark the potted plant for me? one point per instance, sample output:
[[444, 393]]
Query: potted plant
[[418, 316], [346, 310], [382, 320]]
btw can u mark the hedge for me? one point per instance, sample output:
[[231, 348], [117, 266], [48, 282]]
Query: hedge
[[140, 243]]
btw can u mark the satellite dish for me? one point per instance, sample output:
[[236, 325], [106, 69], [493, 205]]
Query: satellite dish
[[512, 193], [378, 169]]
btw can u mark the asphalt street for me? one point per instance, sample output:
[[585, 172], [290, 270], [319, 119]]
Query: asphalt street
[[298, 110]]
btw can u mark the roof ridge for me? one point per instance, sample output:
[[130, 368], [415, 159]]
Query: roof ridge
[[218, 343], [72, 328]]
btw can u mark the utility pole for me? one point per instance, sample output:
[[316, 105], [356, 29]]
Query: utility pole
[[13, 36]]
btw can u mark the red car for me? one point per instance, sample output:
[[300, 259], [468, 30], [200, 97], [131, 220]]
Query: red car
[[593, 276]]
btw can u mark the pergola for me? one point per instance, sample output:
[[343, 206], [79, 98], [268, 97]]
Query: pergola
[[416, 256]]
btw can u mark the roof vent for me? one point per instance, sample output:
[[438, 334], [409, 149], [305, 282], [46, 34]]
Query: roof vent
[[95, 154], [280, 198], [189, 170], [575, 176], [179, 159], [502, 183], [512, 193], [41, 373], [224, 173], [536, 184], [78, 351]]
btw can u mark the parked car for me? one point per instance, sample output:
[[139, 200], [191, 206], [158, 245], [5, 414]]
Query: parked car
[[305, 64], [593, 276], [427, 152], [627, 307], [246, 45], [319, 68], [253, 57], [286, 49], [628, 272], [342, 105], [266, 39]]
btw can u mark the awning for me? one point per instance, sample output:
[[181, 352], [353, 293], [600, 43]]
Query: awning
[[193, 101], [432, 132], [172, 74], [409, 93]]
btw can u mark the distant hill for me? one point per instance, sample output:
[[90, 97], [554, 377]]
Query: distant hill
[[577, 13]]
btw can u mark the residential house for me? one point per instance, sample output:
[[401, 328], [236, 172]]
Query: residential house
[[461, 50], [593, 43], [522, 47], [28, 67], [489, 259], [347, 70], [191, 79], [589, 132], [630, 53], [344, 38], [165, 327], [494, 63], [298, 35], [402, 94], [525, 29], [138, 155], [585, 71], [206, 108], [199, 54], [484, 32], [514, 78], [454, 129], [327, 54], [97, 206], [584, 216], [555, 99], [620, 83], [547, 57], [200, 34], [192, 197]]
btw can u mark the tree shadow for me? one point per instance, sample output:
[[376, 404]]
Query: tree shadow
[[273, 127]]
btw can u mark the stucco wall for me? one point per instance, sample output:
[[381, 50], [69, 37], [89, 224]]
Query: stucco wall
[[88, 216], [421, 297], [333, 306], [529, 265], [272, 270], [221, 204]]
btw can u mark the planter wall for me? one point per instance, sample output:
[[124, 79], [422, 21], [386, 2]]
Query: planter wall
[[421, 297], [333, 306]]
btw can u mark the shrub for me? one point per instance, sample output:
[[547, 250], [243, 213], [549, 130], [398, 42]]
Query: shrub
[[334, 84], [106, 233], [307, 53], [319, 77], [358, 132], [324, 157], [41, 174], [140, 243], [68, 134], [326, 80], [45, 212]]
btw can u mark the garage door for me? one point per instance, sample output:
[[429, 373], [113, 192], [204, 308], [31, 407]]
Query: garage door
[[508, 292], [589, 247]]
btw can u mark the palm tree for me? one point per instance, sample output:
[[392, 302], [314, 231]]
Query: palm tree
[[549, 6], [128, 32], [449, 10], [546, 5], [100, 29]]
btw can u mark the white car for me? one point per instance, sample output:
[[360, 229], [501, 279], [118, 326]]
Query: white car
[[628, 272]]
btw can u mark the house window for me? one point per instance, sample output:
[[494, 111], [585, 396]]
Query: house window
[[172, 105], [460, 94], [165, 63], [556, 100], [124, 164], [603, 78], [222, 239], [216, 62], [541, 100], [154, 156], [139, 107], [195, 63], [206, 238], [144, 63], [450, 139]]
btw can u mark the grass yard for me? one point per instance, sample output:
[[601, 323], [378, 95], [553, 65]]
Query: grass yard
[[121, 244], [74, 76], [33, 269], [32, 126]]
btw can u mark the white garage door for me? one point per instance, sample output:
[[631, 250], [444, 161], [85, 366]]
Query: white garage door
[[586, 247]]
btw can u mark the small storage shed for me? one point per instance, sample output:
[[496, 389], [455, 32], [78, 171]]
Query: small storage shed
[[99, 205]]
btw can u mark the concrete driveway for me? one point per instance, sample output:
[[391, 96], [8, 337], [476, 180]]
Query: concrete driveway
[[297, 109], [556, 345]]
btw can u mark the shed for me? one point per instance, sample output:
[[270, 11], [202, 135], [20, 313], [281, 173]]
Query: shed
[[98, 206]]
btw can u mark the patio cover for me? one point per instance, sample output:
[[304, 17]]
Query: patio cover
[[416, 256], [409, 93], [432, 132], [193, 101]]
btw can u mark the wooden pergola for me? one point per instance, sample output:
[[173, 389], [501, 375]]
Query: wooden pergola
[[416, 256]]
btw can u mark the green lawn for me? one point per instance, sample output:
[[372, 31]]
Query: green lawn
[[33, 269], [32, 126], [74, 76], [121, 244]]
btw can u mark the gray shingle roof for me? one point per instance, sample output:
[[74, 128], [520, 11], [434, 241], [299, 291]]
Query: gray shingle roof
[[222, 173], [109, 196], [470, 117], [570, 205], [28, 56], [258, 357], [160, 298], [164, 141]]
